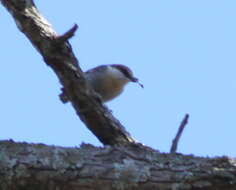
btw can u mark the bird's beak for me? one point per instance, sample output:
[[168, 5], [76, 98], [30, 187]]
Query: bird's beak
[[134, 79]]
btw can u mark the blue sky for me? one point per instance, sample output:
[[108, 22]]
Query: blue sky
[[182, 51]]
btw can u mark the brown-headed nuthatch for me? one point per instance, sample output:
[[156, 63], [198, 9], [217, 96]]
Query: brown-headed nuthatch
[[108, 81]]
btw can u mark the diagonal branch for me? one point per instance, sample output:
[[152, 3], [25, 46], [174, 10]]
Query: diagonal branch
[[60, 57]]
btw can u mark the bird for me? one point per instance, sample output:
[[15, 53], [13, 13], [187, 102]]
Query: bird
[[108, 81]]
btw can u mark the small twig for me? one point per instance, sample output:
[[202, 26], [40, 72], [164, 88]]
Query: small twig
[[179, 133], [69, 34], [63, 96]]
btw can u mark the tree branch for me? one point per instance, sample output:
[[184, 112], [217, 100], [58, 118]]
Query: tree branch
[[179, 133], [36, 166], [60, 57], [69, 34]]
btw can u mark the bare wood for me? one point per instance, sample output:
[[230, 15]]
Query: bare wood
[[57, 53], [36, 166], [179, 133]]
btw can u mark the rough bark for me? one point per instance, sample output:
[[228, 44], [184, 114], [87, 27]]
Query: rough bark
[[57, 53], [133, 166], [37, 166]]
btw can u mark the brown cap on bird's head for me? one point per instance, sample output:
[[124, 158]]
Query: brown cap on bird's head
[[127, 72]]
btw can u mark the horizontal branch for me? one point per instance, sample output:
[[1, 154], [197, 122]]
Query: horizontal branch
[[57, 53], [51, 167]]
